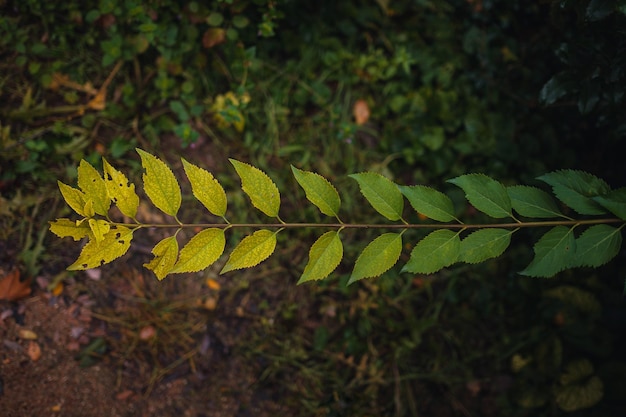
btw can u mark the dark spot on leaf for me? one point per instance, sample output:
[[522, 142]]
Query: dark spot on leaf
[[84, 265], [115, 199], [117, 235], [121, 185], [109, 177], [121, 242], [101, 262]]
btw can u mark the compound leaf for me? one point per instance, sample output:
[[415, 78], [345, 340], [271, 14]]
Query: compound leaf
[[74, 198], [378, 257], [484, 244], [160, 184], [92, 184], [99, 228], [533, 202], [120, 190], [576, 189], [201, 251], [251, 251], [165, 253], [554, 252], [206, 188], [615, 202], [94, 254], [381, 193], [436, 251], [324, 256], [319, 191], [597, 245], [485, 194], [259, 187], [69, 228], [429, 202]]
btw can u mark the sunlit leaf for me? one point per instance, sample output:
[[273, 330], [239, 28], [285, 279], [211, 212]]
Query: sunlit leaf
[[318, 191], [120, 190], [201, 251], [251, 251], [436, 251], [165, 253], [381, 193], [484, 244], [206, 188], [576, 189], [615, 202], [92, 184], [99, 228], [324, 256], [160, 184], [69, 228], [597, 245], [74, 198], [95, 254], [429, 202], [378, 257], [554, 252], [485, 194], [259, 187], [533, 202]]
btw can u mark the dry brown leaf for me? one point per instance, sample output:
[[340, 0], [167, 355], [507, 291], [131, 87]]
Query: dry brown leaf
[[213, 36], [12, 288], [27, 334], [361, 112]]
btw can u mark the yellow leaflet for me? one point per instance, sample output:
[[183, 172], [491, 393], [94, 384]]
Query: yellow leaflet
[[99, 228], [165, 253], [206, 188], [259, 187], [74, 198], [201, 251], [69, 228], [120, 190], [251, 251], [92, 184], [88, 210], [160, 184], [115, 244]]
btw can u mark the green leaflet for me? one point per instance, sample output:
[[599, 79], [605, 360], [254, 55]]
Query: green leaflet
[[99, 228], [484, 244], [201, 251], [92, 184], [533, 202], [95, 254], [165, 253], [160, 184], [486, 194], [120, 190], [378, 257], [74, 198], [579, 388], [259, 187], [429, 202], [554, 252], [324, 256], [318, 191], [251, 251], [615, 202], [436, 251], [69, 228], [597, 245], [206, 188], [381, 193], [576, 189]]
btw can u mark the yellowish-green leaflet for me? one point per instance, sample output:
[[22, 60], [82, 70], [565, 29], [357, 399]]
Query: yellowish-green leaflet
[[251, 251], [201, 251], [120, 190], [69, 228], [324, 256], [165, 253], [99, 228], [92, 184], [381, 193], [160, 184], [206, 188], [115, 244], [259, 187], [318, 191], [378, 257], [74, 198]]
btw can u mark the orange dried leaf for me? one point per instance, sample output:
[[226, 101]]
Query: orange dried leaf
[[213, 36], [12, 288], [361, 112], [33, 351], [212, 284]]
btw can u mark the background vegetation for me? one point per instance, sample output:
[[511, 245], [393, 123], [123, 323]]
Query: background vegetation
[[420, 91]]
